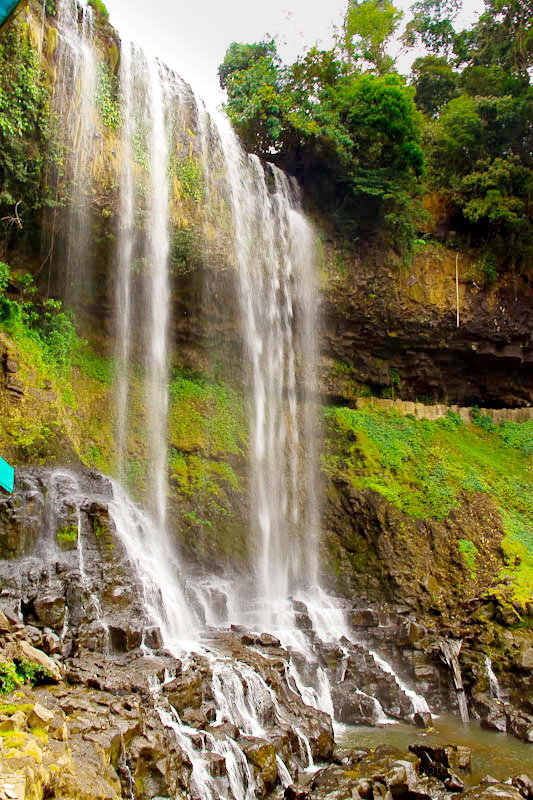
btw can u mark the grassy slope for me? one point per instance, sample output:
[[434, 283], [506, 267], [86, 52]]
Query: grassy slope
[[422, 467]]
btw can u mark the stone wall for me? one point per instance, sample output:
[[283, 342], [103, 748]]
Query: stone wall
[[422, 411]]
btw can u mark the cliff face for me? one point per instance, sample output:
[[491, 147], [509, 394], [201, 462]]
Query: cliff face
[[393, 328]]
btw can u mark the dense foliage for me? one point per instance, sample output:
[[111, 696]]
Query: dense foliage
[[24, 128], [366, 144], [424, 468], [43, 320]]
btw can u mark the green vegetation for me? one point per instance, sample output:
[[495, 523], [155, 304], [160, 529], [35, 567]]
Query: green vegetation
[[423, 467], [207, 431], [355, 134], [469, 552], [100, 9], [189, 173], [35, 321], [107, 101], [347, 121], [24, 130], [14, 674], [67, 535]]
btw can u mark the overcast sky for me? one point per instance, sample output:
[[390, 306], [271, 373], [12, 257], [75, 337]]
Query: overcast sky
[[191, 36]]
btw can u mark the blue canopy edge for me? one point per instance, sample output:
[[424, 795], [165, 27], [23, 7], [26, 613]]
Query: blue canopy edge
[[6, 9], [7, 476]]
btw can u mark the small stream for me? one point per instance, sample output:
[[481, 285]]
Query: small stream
[[495, 754]]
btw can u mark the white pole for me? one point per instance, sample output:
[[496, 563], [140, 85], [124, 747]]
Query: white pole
[[457, 286]]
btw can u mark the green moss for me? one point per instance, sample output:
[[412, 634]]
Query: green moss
[[13, 738], [422, 467], [9, 677], [40, 733], [190, 175], [18, 672], [106, 96], [101, 10], [91, 364], [469, 553], [67, 534], [7, 709], [518, 548], [206, 416]]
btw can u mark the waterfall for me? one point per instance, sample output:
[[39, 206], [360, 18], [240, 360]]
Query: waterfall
[[125, 254], [494, 685], [252, 213], [74, 98], [158, 294], [274, 254]]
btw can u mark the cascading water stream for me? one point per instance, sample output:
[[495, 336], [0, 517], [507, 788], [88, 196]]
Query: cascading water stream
[[74, 99], [158, 299], [494, 685], [273, 248], [125, 254]]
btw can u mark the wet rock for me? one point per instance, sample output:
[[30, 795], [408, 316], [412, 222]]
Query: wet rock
[[524, 784], [36, 656], [195, 718], [216, 764], [458, 757], [13, 722], [295, 793], [365, 618], [422, 719], [125, 637], [519, 723], [153, 638], [454, 783], [495, 720], [5, 624], [40, 717], [51, 643], [184, 691], [267, 640], [224, 729], [262, 755], [496, 791], [50, 610]]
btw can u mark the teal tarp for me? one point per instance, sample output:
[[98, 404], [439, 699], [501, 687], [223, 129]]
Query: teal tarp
[[7, 476], [6, 8]]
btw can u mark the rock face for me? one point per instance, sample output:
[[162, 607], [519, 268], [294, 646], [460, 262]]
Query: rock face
[[394, 327]]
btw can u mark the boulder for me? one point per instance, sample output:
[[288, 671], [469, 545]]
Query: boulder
[[365, 618], [40, 717], [184, 691], [422, 719], [262, 755], [495, 791], [524, 784], [50, 610], [36, 656]]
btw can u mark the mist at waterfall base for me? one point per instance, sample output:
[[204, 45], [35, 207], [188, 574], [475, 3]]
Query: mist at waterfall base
[[272, 250]]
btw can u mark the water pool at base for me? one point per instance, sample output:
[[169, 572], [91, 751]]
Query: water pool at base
[[495, 754]]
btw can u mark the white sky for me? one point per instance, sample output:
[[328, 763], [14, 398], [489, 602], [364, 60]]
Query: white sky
[[192, 36]]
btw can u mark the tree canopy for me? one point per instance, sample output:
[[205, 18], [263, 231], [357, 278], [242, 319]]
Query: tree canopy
[[366, 142]]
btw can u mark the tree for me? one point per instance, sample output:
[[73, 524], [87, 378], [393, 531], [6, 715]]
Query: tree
[[252, 77], [432, 25], [435, 83], [502, 37], [368, 27], [352, 137]]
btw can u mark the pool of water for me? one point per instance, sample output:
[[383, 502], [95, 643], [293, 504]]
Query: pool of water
[[493, 753]]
